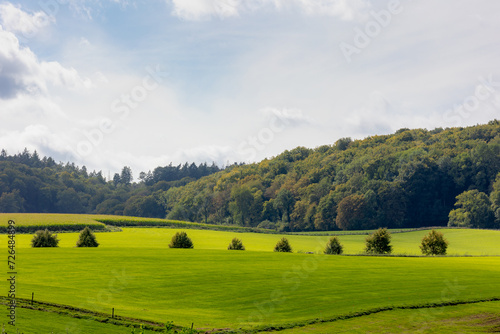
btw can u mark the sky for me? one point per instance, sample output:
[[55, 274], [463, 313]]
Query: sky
[[113, 83]]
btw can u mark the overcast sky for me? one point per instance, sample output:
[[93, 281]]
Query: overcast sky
[[142, 83]]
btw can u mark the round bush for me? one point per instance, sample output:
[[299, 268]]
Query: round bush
[[181, 240], [44, 239], [236, 244], [379, 242], [87, 238], [283, 246], [333, 246], [434, 243]]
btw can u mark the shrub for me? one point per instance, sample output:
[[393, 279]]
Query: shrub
[[379, 242], [434, 243], [333, 246], [236, 244], [87, 238], [44, 239], [181, 240], [283, 246], [267, 225]]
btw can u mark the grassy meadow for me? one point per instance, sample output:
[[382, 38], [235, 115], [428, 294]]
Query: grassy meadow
[[464, 319], [136, 273], [462, 242]]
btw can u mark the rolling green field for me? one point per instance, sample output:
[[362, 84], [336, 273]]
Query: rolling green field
[[462, 242], [216, 288], [136, 273]]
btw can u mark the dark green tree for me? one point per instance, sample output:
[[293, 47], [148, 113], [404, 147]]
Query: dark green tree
[[285, 201], [379, 242], [334, 246], [283, 246], [68, 201], [44, 239], [11, 202], [87, 238], [434, 243], [343, 143], [352, 213], [242, 203], [326, 213], [473, 210], [126, 176], [116, 179], [236, 244], [495, 200], [181, 240]]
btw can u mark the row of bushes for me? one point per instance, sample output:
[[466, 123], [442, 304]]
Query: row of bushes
[[45, 238], [376, 243]]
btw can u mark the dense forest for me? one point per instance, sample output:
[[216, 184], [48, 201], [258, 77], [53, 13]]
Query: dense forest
[[411, 178], [29, 183]]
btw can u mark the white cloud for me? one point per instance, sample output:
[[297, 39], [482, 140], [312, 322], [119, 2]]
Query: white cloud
[[37, 137], [198, 9], [22, 73], [345, 9], [290, 117], [17, 21], [203, 9]]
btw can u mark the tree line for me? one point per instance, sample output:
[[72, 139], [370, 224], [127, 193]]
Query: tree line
[[29, 183], [412, 178]]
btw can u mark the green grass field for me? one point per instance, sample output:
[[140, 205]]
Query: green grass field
[[31, 321], [136, 273], [462, 242], [472, 318], [232, 289]]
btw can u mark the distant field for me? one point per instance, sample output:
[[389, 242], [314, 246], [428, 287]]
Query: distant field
[[30, 222], [462, 241]]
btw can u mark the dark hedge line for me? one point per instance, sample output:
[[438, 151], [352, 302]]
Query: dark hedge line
[[55, 228]]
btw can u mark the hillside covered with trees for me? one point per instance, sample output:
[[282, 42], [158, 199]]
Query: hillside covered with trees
[[407, 179], [32, 184]]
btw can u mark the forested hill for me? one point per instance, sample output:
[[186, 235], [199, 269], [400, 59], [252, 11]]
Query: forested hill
[[29, 183], [408, 179]]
